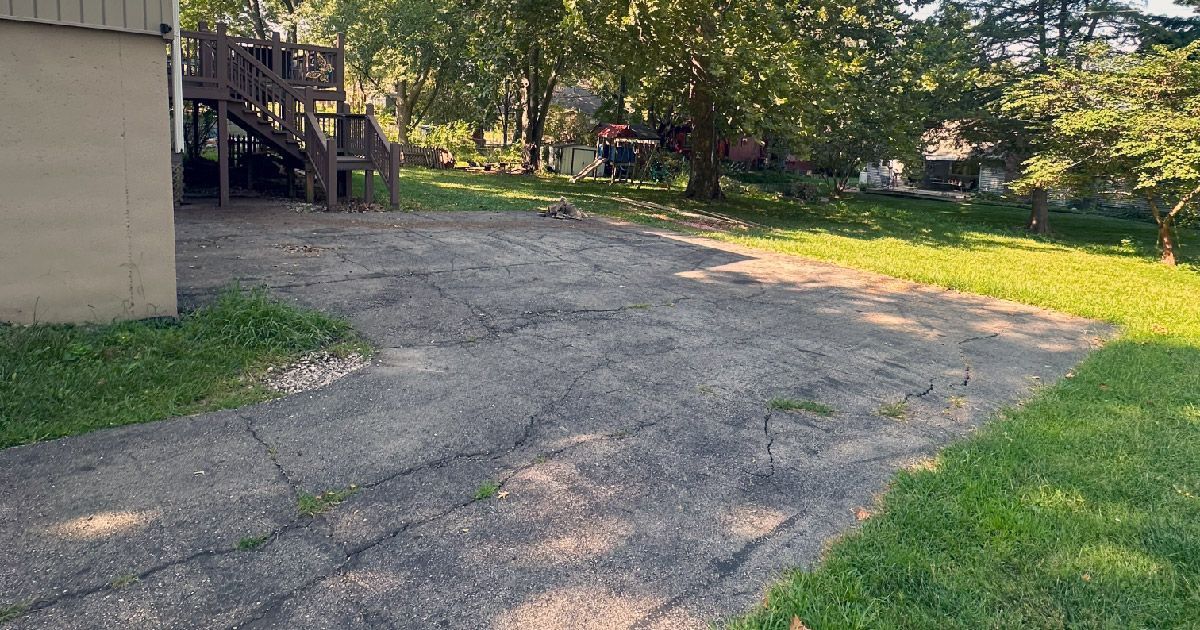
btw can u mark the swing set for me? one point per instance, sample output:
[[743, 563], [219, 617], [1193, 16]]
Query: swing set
[[626, 153]]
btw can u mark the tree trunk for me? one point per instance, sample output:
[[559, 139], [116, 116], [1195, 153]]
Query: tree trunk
[[1166, 240], [404, 109], [529, 157], [1166, 225], [704, 180], [1039, 214]]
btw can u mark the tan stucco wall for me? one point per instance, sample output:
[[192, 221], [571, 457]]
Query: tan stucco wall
[[86, 222]]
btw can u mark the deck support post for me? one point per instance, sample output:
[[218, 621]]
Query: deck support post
[[368, 186], [223, 150], [394, 191], [331, 179], [309, 194]]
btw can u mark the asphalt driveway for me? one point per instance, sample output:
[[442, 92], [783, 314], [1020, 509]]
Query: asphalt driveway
[[612, 379]]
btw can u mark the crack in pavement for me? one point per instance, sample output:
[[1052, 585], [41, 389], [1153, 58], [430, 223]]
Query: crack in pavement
[[770, 441], [354, 554]]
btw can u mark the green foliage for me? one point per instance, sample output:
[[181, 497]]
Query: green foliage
[[12, 611], [314, 504], [252, 543], [455, 136], [486, 490], [1127, 121], [790, 404], [63, 380], [566, 125]]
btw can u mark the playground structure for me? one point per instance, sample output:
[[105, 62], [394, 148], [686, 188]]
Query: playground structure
[[624, 153]]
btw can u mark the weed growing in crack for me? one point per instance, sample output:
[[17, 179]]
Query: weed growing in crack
[[251, 543], [707, 390], [811, 406], [895, 410], [314, 504], [638, 306], [12, 611], [487, 490], [123, 581], [958, 402]]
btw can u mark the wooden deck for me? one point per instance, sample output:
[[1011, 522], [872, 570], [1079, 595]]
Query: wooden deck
[[291, 99]]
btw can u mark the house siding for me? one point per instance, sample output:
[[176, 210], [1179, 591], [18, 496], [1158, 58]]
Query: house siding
[[131, 16], [86, 215], [993, 179]]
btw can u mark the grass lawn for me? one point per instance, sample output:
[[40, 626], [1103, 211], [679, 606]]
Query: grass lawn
[[1079, 508], [66, 380]]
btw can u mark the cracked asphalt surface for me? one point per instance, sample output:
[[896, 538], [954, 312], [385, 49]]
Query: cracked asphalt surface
[[612, 379]]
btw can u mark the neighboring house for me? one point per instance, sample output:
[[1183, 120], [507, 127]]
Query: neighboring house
[[888, 174], [86, 204], [949, 162], [749, 151]]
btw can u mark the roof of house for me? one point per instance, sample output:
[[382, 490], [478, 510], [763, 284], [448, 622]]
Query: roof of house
[[636, 132]]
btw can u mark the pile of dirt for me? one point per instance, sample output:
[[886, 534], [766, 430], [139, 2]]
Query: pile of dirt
[[563, 209], [312, 371]]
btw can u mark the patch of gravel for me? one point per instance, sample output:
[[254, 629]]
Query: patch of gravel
[[303, 250], [312, 371]]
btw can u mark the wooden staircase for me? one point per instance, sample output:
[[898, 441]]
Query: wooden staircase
[[291, 97]]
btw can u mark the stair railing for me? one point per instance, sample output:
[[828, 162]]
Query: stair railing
[[286, 108], [383, 154]]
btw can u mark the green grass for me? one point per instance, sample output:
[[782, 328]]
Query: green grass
[[895, 410], [1080, 508], [13, 611], [123, 581], [251, 543], [314, 504], [811, 406], [486, 490], [65, 380]]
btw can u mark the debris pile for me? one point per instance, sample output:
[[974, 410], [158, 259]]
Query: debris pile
[[563, 209], [312, 371]]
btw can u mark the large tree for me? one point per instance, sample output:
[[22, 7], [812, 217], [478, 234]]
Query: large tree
[[409, 50], [1024, 38], [729, 66], [1127, 120]]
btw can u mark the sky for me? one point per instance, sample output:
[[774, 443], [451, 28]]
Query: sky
[[1167, 7], [1157, 7]]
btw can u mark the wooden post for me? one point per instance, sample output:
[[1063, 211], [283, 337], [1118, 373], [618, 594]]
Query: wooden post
[[222, 62], [197, 144], [223, 150], [339, 68], [309, 195], [368, 186], [331, 179], [277, 55], [395, 176]]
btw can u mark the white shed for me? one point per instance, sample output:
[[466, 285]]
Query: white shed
[[570, 159]]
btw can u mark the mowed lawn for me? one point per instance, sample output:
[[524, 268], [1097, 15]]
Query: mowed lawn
[[1079, 508]]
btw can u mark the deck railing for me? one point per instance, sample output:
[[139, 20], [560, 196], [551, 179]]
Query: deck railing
[[310, 66]]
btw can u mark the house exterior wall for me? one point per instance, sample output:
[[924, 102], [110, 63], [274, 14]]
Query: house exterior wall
[[86, 217], [136, 16], [993, 179], [882, 174]]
